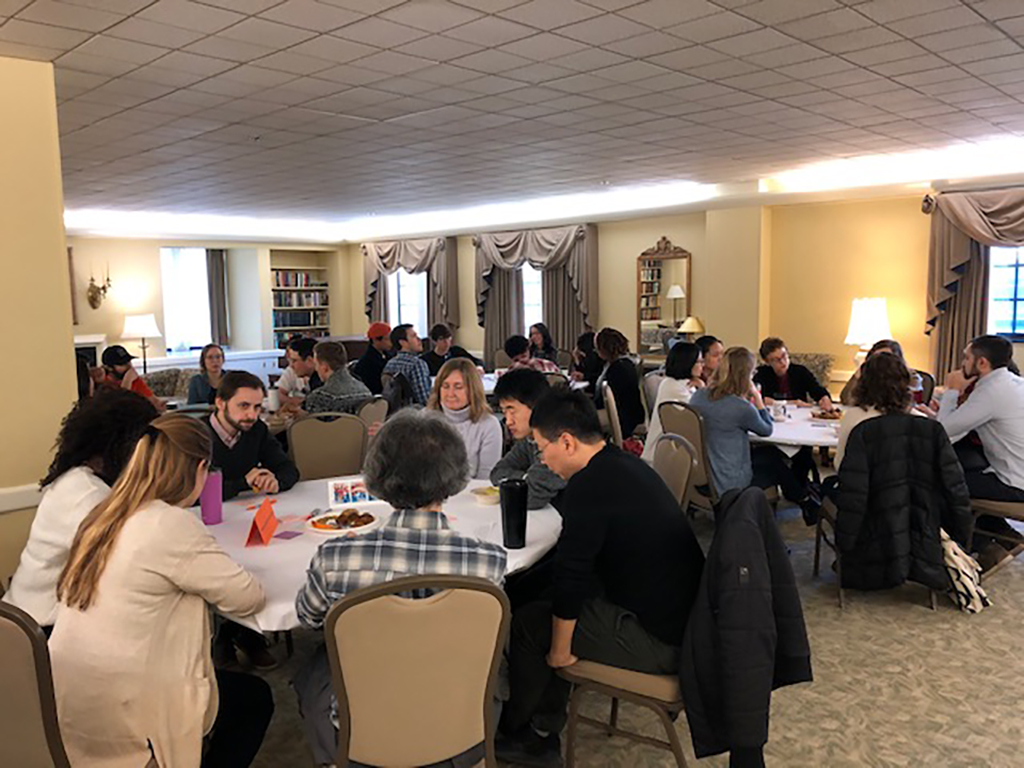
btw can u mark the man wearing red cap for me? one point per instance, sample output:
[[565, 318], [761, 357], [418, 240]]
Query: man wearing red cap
[[376, 356]]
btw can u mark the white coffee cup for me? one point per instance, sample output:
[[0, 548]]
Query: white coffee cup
[[274, 398], [778, 411]]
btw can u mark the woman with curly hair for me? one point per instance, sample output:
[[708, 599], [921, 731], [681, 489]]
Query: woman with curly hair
[[882, 387], [95, 442]]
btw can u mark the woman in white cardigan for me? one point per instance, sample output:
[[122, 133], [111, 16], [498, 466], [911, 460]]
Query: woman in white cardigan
[[458, 393], [95, 442], [683, 368], [131, 647]]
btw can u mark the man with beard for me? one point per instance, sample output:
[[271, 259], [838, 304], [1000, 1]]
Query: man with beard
[[243, 448], [119, 373]]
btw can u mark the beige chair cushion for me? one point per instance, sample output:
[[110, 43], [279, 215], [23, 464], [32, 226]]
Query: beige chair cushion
[[662, 687], [23, 740], [328, 448], [1010, 509]]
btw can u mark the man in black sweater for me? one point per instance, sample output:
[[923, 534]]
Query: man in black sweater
[[243, 448], [371, 365], [780, 379], [627, 570], [443, 349]]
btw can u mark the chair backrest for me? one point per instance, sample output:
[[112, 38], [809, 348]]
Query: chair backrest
[[818, 363], [396, 390], [415, 678], [680, 419], [29, 733], [501, 359], [196, 410], [564, 359], [675, 460], [327, 445], [927, 386], [650, 384], [373, 411], [613, 413]]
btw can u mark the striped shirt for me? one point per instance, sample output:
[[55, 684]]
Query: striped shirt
[[411, 543], [416, 372]]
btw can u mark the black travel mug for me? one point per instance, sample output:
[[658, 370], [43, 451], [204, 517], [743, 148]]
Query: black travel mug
[[513, 513]]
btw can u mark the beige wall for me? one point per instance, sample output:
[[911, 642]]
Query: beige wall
[[727, 299], [37, 300], [249, 298], [825, 255]]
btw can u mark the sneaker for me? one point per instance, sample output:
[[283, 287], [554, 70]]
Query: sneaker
[[256, 655], [528, 748]]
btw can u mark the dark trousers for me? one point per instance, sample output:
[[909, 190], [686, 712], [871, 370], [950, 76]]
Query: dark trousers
[[985, 485], [771, 468], [246, 706], [604, 633]]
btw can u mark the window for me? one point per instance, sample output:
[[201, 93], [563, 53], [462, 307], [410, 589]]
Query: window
[[1006, 292], [186, 298], [407, 300], [533, 298]]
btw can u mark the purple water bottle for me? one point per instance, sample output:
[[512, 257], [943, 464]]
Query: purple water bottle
[[211, 500]]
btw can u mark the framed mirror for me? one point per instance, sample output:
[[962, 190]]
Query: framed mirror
[[663, 292]]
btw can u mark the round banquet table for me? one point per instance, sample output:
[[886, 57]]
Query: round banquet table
[[281, 565], [799, 430]]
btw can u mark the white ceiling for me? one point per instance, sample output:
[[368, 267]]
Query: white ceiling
[[331, 109]]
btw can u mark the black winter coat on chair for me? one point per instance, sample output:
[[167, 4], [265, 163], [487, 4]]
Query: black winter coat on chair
[[900, 480], [746, 634]]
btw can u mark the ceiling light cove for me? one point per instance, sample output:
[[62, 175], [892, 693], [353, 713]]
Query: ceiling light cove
[[969, 160], [610, 201]]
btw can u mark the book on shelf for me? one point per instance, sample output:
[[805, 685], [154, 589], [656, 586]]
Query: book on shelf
[[288, 278], [288, 299]]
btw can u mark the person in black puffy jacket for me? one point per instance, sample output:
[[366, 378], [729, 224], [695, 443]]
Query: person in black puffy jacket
[[900, 481]]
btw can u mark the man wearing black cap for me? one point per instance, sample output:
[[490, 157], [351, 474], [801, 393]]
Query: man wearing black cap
[[121, 374]]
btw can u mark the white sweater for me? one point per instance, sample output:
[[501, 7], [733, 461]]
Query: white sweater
[[64, 505], [670, 390], [483, 440]]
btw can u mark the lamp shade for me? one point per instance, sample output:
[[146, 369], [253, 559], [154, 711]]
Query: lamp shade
[[869, 322], [675, 291], [691, 325], [140, 327]]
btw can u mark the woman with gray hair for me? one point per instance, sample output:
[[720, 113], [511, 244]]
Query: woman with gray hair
[[416, 462]]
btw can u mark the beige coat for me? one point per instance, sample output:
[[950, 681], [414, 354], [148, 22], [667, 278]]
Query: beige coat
[[135, 667]]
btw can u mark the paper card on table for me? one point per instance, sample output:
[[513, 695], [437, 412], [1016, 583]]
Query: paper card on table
[[264, 523], [288, 534]]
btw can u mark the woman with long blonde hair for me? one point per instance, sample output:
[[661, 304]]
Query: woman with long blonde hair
[[732, 408], [458, 392], [131, 647]]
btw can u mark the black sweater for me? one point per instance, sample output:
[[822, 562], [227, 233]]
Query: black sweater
[[369, 368], [625, 385], [799, 384], [434, 361], [257, 447], [625, 538]]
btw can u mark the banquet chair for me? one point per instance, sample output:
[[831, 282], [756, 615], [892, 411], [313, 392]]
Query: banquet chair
[[564, 359], [501, 359], [675, 461], [927, 386], [680, 419], [650, 384], [658, 693], [612, 412], [415, 679], [556, 380], [29, 731], [322, 448], [373, 411], [1008, 510]]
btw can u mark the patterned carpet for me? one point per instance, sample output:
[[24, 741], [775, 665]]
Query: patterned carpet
[[896, 684]]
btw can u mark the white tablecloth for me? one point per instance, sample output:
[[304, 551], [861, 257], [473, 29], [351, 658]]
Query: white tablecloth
[[281, 566], [799, 429]]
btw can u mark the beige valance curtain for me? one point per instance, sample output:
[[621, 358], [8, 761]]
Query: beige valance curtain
[[964, 225], [568, 258], [436, 256]]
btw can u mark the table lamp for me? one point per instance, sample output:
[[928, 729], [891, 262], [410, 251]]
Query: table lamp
[[690, 326], [675, 292], [869, 322], [141, 327]]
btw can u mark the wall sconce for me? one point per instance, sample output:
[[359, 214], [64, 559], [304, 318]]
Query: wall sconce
[[96, 293]]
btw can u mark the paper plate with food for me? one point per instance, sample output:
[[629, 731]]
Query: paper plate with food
[[820, 415], [487, 495], [351, 520]]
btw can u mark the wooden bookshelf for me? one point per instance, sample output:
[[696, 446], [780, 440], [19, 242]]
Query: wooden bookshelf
[[300, 301]]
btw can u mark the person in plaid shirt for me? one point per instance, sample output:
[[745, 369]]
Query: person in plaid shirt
[[416, 540], [518, 349], [405, 339]]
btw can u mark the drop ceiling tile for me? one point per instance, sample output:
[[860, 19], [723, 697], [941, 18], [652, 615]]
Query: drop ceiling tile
[[142, 31], [995, 10], [588, 60], [265, 33], [490, 84], [603, 29], [826, 66], [751, 42], [785, 56], [124, 50], [907, 66], [31, 52], [438, 48], [431, 15], [491, 31], [972, 53], [393, 63], [940, 21], [227, 49], [41, 35], [647, 44], [857, 40], [70, 16], [189, 15], [687, 58], [660, 14], [882, 54], [99, 65], [780, 11], [546, 15], [445, 74], [333, 49], [311, 15], [492, 61], [723, 69], [295, 63], [538, 73]]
